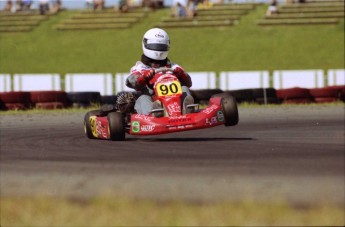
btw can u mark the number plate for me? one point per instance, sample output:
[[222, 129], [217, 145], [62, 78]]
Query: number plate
[[169, 89]]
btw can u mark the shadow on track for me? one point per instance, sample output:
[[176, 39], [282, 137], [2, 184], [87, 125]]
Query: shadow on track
[[187, 139]]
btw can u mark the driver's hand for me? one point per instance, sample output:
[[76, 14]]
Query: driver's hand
[[149, 73], [179, 72], [182, 76]]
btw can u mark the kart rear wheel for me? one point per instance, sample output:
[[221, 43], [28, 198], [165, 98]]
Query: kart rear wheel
[[116, 126], [87, 124], [230, 111]]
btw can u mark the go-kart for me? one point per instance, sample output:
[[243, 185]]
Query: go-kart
[[173, 116]]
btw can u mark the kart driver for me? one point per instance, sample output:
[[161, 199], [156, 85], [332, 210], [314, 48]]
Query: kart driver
[[155, 44]]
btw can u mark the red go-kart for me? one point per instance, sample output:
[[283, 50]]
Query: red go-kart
[[221, 110]]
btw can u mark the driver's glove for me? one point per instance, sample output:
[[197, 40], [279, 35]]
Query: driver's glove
[[146, 76], [182, 76]]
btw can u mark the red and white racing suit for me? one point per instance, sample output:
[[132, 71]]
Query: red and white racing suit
[[140, 76]]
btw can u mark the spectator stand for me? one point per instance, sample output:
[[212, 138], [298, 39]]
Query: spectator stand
[[23, 19], [210, 15], [105, 18], [306, 13], [5, 82]]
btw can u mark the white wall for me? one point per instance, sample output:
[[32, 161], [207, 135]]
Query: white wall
[[101, 82], [243, 80], [120, 82], [203, 80], [336, 77], [298, 78], [36, 82], [5, 82]]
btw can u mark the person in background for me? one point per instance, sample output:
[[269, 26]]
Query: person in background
[[44, 6], [8, 6], [155, 45], [19, 5], [272, 8], [89, 4], [192, 8], [27, 5], [98, 4], [179, 8], [56, 6]]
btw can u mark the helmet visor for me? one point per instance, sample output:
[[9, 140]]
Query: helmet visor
[[156, 46]]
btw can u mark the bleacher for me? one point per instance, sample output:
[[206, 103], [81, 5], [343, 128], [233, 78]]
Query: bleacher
[[309, 13], [23, 21], [215, 15], [104, 19]]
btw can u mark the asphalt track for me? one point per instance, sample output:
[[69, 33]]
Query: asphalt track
[[286, 153]]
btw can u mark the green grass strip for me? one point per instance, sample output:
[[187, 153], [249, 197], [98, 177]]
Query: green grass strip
[[102, 21], [19, 23], [91, 26], [118, 211], [298, 22], [205, 18], [298, 15], [194, 23], [307, 10]]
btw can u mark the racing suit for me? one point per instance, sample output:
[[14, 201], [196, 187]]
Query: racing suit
[[142, 72]]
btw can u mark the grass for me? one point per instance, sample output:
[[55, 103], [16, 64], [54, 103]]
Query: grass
[[119, 211], [244, 46]]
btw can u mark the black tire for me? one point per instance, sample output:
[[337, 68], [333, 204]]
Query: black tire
[[87, 124], [109, 99], [230, 111], [262, 92], [202, 96], [243, 95], [116, 126], [84, 99]]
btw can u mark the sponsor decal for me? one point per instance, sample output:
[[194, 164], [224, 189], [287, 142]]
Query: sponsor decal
[[143, 117], [220, 115], [147, 128], [98, 129], [211, 121], [174, 120], [136, 126], [174, 108], [159, 35], [210, 109]]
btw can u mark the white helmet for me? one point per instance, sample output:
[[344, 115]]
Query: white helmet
[[156, 44]]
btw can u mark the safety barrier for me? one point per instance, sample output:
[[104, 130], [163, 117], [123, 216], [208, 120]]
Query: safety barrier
[[244, 79], [36, 82], [298, 78], [110, 84], [101, 82]]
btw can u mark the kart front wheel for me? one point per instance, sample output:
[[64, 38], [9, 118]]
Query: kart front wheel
[[89, 125], [230, 111], [116, 126]]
